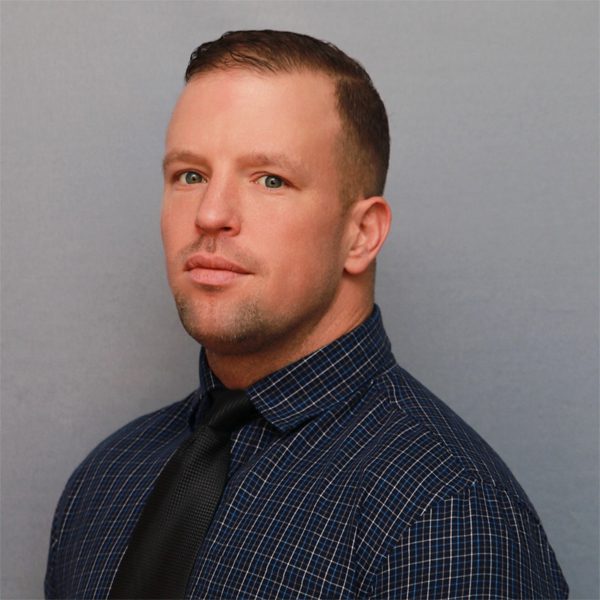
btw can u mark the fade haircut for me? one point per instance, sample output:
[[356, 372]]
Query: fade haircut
[[364, 144]]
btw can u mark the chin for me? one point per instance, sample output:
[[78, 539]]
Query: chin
[[239, 331]]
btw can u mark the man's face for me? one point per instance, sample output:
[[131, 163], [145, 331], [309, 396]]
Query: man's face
[[252, 222]]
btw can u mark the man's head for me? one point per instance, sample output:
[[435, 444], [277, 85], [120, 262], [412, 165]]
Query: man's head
[[364, 143], [265, 261]]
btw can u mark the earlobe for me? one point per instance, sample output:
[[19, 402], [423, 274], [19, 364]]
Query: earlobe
[[371, 219]]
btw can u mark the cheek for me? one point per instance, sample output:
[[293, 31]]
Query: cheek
[[166, 232], [305, 258], [175, 226]]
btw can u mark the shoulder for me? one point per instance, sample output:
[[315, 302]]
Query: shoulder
[[106, 486], [435, 493], [119, 457], [480, 543], [425, 453], [145, 431]]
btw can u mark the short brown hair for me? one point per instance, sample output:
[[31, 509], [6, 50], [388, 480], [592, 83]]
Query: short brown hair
[[365, 143]]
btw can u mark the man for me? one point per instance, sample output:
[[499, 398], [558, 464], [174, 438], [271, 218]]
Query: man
[[345, 478]]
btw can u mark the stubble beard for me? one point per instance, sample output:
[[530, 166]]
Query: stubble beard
[[248, 328], [239, 333]]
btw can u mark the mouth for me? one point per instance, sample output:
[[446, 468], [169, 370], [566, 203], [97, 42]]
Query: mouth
[[213, 270]]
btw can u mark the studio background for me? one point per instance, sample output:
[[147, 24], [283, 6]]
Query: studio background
[[488, 282]]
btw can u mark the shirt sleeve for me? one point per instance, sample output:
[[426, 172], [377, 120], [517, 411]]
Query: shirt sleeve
[[483, 544]]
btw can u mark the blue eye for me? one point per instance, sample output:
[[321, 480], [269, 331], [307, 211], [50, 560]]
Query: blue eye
[[190, 178], [271, 181]]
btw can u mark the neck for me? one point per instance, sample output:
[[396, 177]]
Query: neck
[[239, 370]]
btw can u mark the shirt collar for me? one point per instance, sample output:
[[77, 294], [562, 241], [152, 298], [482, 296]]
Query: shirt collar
[[332, 374]]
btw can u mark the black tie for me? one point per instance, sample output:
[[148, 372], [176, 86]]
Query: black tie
[[166, 539]]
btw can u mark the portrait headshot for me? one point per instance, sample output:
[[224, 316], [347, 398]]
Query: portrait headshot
[[300, 300]]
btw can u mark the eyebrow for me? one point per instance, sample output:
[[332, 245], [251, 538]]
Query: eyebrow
[[253, 158], [180, 156], [275, 159]]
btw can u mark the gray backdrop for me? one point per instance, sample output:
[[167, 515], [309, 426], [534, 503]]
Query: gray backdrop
[[488, 283]]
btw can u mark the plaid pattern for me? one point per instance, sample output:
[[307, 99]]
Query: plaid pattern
[[355, 482]]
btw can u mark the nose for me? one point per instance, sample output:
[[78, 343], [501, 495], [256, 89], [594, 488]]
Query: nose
[[218, 210]]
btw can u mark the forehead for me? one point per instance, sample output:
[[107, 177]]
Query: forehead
[[248, 108]]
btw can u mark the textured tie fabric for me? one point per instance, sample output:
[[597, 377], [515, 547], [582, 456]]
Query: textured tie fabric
[[165, 541]]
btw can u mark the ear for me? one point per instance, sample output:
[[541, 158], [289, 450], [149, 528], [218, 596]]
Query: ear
[[369, 222]]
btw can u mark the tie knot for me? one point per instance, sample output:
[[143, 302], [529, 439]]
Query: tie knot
[[229, 409]]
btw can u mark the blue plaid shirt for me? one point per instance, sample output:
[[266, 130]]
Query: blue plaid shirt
[[355, 482]]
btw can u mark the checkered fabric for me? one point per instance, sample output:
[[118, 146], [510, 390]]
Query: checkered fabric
[[354, 482]]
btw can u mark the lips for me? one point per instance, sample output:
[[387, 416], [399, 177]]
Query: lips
[[213, 270]]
